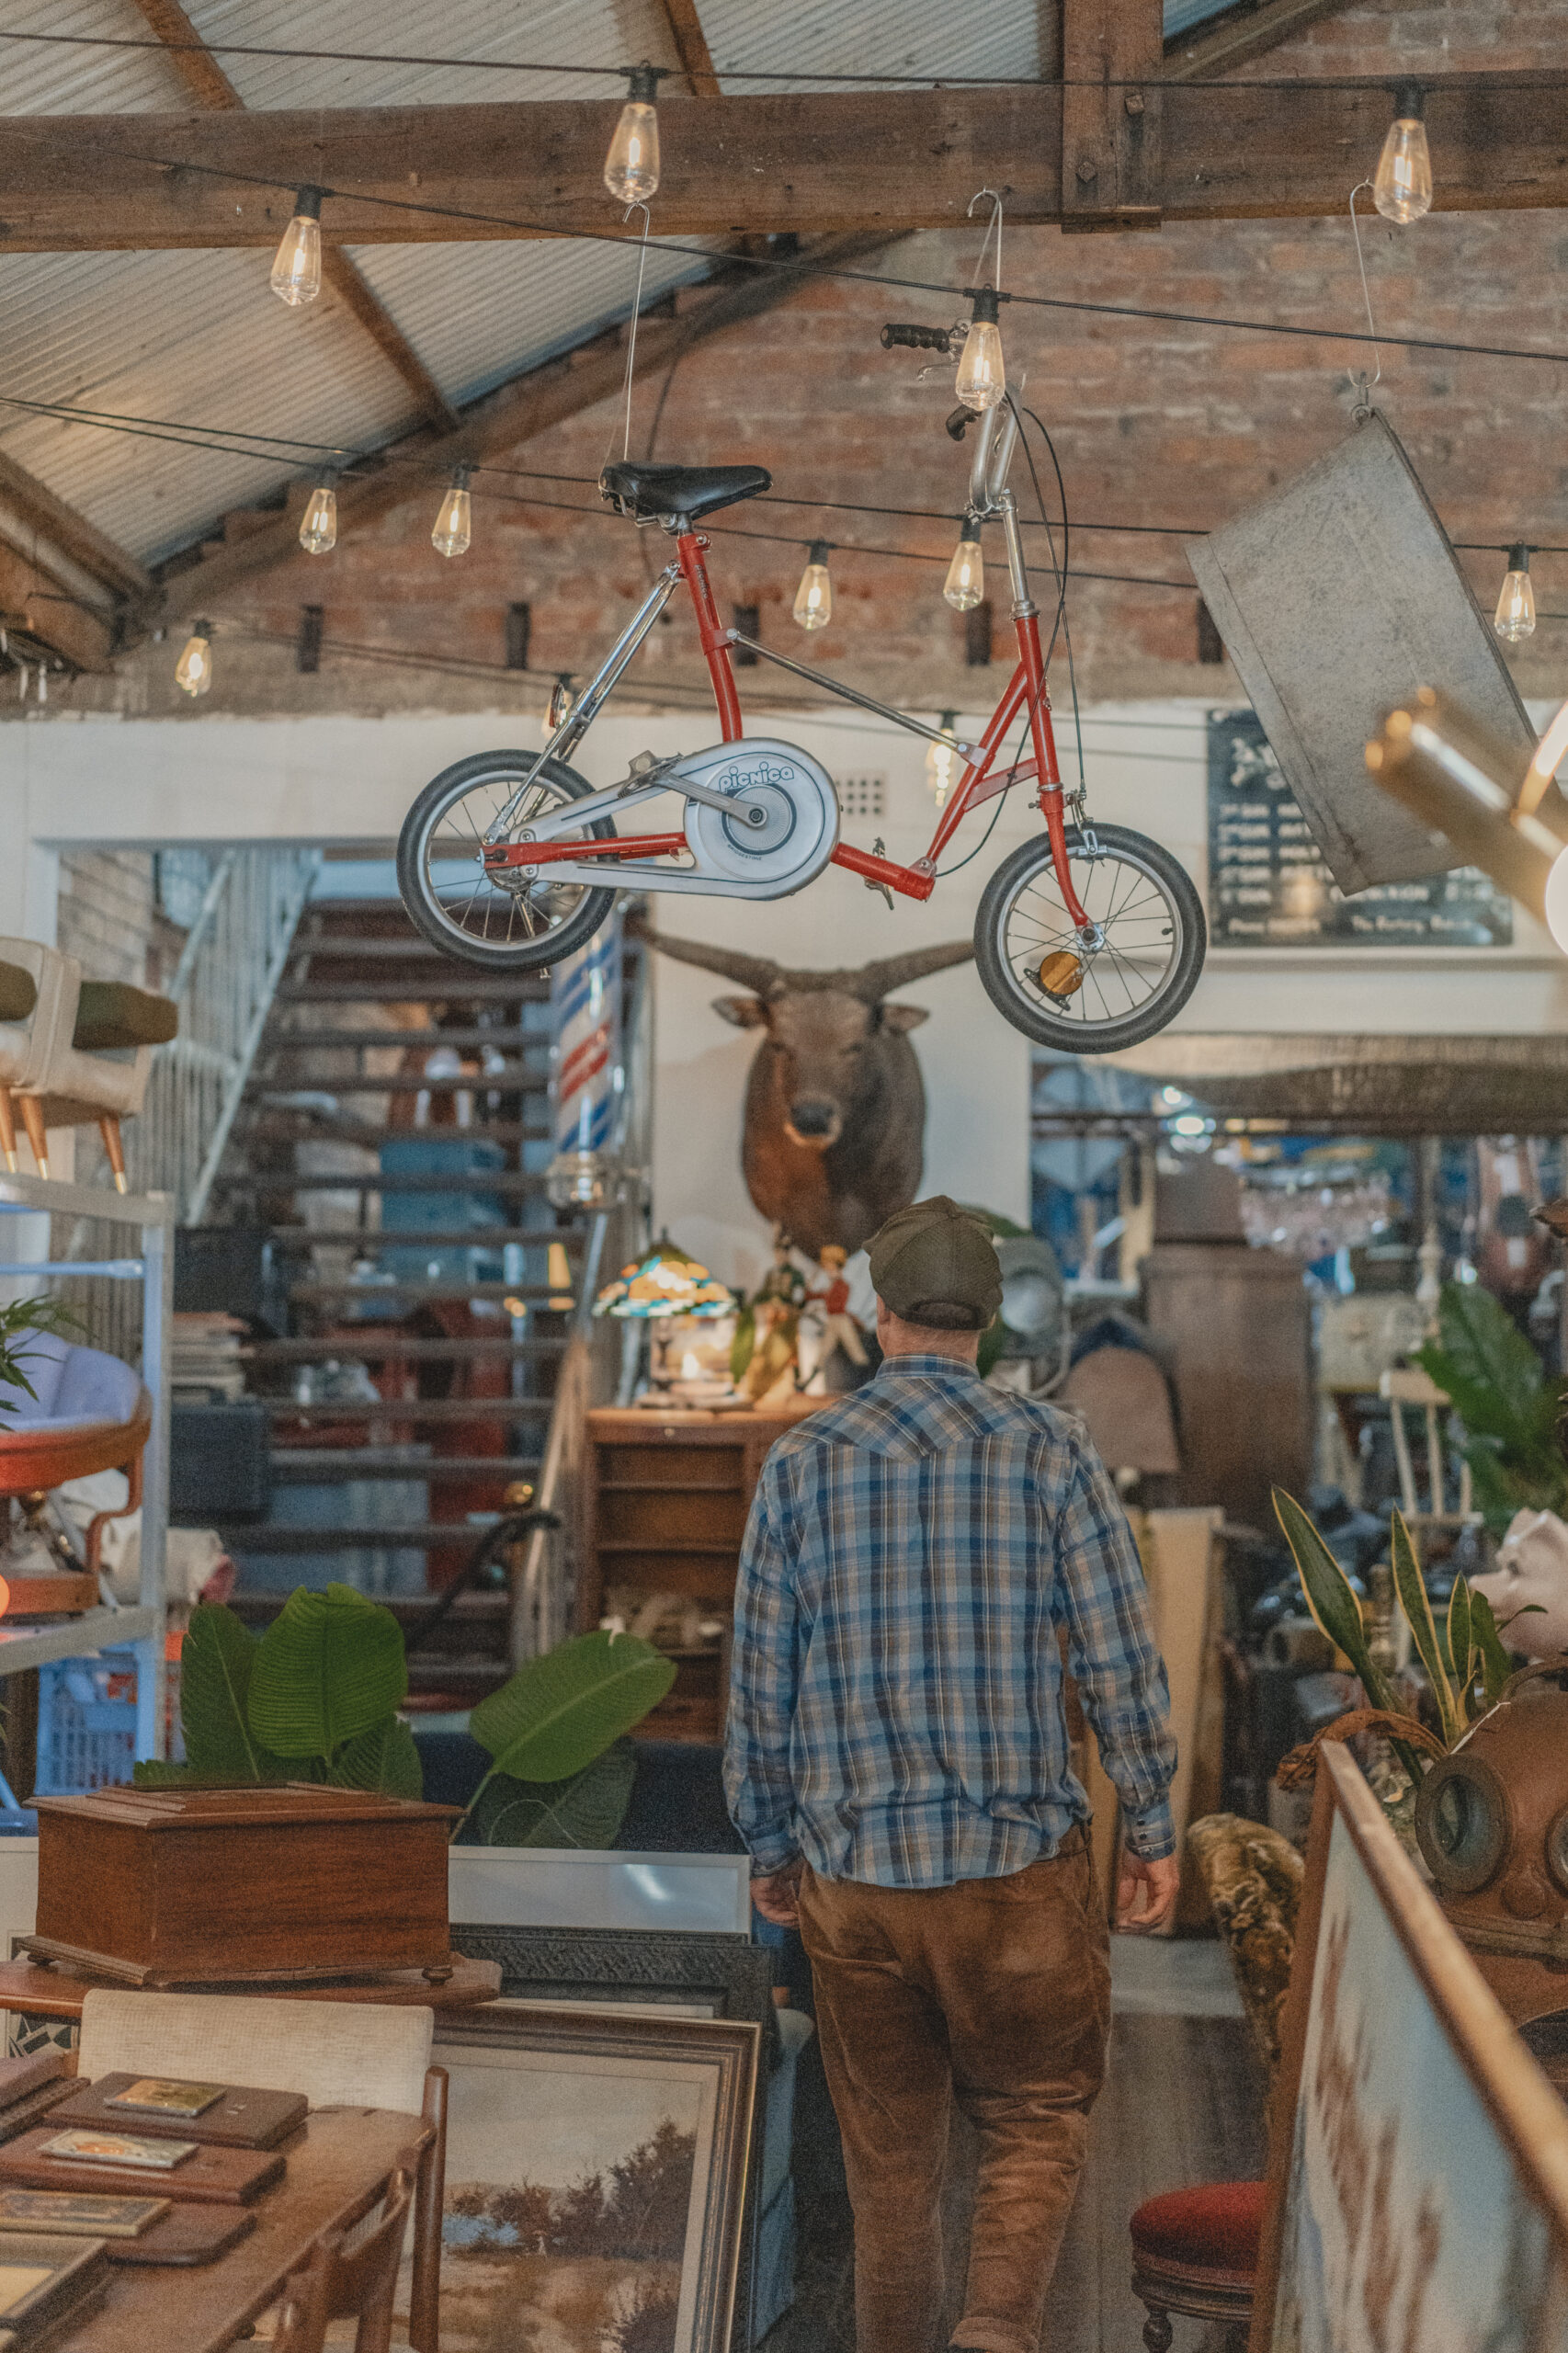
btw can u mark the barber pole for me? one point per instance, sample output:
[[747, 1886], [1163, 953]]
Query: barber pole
[[585, 1074]]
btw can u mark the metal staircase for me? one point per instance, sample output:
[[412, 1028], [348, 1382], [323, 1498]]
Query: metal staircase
[[390, 1143]]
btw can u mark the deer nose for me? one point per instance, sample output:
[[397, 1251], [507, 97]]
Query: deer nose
[[813, 1119]]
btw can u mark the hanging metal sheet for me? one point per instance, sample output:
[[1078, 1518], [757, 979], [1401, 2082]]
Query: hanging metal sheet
[[1337, 598]]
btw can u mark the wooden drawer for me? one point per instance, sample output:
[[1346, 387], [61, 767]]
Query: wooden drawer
[[669, 1516], [670, 1466], [707, 1576]]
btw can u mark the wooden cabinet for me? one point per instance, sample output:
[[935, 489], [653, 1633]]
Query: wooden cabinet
[[1240, 1322], [666, 1499]]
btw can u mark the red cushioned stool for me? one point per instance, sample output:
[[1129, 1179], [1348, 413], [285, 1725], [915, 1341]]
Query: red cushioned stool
[[1195, 2251]]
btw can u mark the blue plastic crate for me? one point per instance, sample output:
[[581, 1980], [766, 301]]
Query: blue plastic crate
[[86, 1722]]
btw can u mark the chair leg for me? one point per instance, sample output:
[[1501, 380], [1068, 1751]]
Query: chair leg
[[108, 1128], [7, 1129], [429, 2193], [1157, 2330], [33, 1119]]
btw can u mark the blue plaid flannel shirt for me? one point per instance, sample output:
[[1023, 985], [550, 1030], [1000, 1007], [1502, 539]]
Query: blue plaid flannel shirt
[[896, 1709]]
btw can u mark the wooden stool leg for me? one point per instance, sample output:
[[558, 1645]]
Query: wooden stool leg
[[108, 1128], [1157, 2331], [33, 1119], [7, 1129]]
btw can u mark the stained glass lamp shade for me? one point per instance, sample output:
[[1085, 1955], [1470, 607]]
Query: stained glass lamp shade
[[666, 1282]]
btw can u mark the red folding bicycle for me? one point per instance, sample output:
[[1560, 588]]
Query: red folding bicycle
[[1087, 938]]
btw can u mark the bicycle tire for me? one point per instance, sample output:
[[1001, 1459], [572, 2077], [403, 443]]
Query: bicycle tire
[[1027, 1008], [423, 907]]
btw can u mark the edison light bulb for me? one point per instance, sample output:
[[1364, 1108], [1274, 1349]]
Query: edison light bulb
[[1515, 617], [631, 168], [1401, 185], [193, 671], [295, 269], [981, 380], [318, 528], [942, 759], [965, 584], [814, 598], [454, 524]]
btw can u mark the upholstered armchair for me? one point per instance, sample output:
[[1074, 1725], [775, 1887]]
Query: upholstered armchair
[[101, 1072], [37, 1004]]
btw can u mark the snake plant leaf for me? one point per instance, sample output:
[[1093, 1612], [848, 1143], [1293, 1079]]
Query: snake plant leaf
[[217, 1660], [1331, 1598], [560, 1711], [1460, 1644], [1410, 1587], [386, 1758], [1497, 1665], [329, 1668], [585, 1811]]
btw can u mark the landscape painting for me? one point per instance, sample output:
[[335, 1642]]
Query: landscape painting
[[1408, 2226], [582, 2188]]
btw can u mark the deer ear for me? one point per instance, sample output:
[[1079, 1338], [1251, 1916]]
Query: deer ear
[[903, 1017], [745, 1012]]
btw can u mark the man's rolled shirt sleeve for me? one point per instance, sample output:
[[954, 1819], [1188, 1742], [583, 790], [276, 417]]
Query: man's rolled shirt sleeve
[[757, 1782], [1113, 1654]]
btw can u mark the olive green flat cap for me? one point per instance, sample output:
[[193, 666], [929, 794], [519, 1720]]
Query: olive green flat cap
[[934, 1263]]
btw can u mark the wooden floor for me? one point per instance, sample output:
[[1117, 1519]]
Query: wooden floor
[[1182, 2103]]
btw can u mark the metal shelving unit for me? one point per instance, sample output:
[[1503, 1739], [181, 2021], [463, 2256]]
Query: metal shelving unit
[[140, 1626]]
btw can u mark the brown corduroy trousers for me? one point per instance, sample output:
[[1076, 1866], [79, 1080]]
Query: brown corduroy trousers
[[995, 1992]]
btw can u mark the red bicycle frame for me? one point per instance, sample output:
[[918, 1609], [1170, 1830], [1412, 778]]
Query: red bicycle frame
[[977, 784]]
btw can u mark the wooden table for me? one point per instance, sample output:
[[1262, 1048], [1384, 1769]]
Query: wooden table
[[27, 1987], [338, 2166]]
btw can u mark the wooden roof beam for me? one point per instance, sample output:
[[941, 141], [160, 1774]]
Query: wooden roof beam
[[691, 47], [212, 87], [882, 161]]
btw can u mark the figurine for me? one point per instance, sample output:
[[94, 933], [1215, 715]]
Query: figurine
[[1528, 1588], [767, 1335], [834, 1328]]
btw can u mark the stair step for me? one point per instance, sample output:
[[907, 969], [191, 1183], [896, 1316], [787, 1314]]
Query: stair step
[[280, 1123], [312, 1466], [294, 1241], [414, 1411], [416, 1535], [364, 1346], [410, 988], [411, 950], [423, 1291], [488, 1605], [509, 1183], [301, 1040], [513, 1078]]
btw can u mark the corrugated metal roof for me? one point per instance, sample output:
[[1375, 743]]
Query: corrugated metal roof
[[1001, 40], [41, 78]]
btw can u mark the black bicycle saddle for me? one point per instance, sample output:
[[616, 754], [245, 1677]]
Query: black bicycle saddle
[[659, 492]]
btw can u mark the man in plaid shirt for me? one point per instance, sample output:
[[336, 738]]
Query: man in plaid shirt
[[898, 1766]]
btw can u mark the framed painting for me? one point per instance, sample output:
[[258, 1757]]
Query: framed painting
[[1419, 2181], [597, 2171]]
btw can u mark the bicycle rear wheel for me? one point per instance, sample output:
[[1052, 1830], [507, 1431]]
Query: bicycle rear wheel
[[490, 920], [1091, 998]]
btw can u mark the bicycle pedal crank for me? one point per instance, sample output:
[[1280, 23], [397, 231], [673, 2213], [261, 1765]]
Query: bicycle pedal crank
[[1061, 975]]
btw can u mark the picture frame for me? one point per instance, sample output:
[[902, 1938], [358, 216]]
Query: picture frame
[[1418, 2157], [687, 1972], [596, 2174]]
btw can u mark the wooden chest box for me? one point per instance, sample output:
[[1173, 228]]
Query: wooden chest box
[[170, 1887]]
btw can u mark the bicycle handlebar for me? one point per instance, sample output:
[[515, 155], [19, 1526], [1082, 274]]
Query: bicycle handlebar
[[915, 339]]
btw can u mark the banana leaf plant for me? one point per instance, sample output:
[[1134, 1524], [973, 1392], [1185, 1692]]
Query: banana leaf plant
[[561, 1765], [1466, 1661]]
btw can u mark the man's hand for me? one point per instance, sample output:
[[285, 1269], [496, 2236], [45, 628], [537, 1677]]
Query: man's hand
[[776, 1897], [1145, 1893]]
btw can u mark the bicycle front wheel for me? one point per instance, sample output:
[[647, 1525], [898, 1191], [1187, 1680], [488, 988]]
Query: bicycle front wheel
[[494, 919], [1127, 979]]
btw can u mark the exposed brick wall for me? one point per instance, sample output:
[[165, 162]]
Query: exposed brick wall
[[1154, 423], [108, 913]]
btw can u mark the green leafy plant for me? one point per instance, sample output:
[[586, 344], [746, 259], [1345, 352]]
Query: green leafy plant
[[1465, 1659], [560, 1773], [21, 1318], [1510, 1410]]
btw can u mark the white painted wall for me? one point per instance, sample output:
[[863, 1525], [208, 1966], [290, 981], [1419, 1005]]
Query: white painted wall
[[66, 780]]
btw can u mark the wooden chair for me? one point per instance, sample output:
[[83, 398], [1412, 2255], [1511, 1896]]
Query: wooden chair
[[344, 2281], [84, 1082], [340, 2054], [38, 1006]]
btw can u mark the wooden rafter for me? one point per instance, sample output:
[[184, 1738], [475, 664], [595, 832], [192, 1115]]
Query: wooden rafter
[[691, 47], [531, 404], [210, 87], [883, 160], [1251, 31]]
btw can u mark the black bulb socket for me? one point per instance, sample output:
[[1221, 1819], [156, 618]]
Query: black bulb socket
[[642, 85], [820, 551], [307, 204], [201, 629], [1518, 557], [985, 305], [969, 532], [1409, 102], [462, 476]]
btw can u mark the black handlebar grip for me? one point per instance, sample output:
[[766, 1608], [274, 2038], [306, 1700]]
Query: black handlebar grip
[[915, 339]]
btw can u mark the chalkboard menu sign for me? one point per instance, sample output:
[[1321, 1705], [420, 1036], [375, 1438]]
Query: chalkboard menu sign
[[1268, 886]]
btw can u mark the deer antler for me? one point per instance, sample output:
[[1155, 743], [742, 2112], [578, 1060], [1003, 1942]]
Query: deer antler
[[756, 973], [873, 981]]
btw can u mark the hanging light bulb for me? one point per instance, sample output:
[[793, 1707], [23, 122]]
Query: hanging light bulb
[[454, 524], [981, 380], [296, 269], [193, 671], [1515, 617], [942, 759], [814, 598], [965, 584], [1401, 185], [631, 168], [318, 527]]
